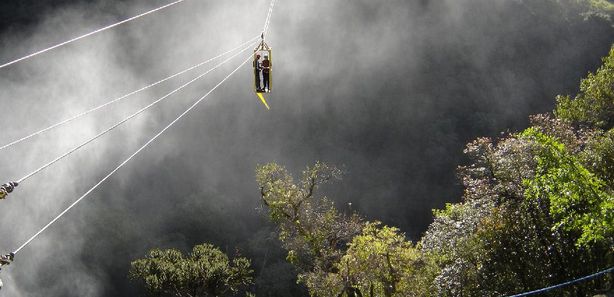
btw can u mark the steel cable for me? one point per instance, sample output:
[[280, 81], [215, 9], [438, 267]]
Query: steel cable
[[130, 157], [118, 99], [88, 34], [27, 176]]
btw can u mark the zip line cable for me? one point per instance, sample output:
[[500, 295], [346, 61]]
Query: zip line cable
[[128, 118], [88, 34], [268, 17], [131, 116], [566, 283], [131, 156], [122, 97]]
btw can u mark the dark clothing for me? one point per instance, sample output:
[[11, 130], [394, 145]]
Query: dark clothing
[[257, 79], [266, 66], [257, 70], [266, 74], [257, 65], [266, 79]]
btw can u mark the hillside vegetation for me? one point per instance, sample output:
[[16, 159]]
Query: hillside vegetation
[[538, 210]]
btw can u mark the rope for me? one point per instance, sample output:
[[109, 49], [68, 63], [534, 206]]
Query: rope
[[88, 34], [122, 97], [566, 283], [128, 118], [268, 17], [131, 156]]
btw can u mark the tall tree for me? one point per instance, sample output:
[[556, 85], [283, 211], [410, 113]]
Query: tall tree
[[310, 228], [337, 254]]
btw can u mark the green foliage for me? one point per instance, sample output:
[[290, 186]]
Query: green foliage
[[518, 228], [206, 271], [598, 155], [380, 261], [506, 236], [533, 214], [594, 105], [310, 228], [578, 199], [601, 5], [456, 242], [338, 255]]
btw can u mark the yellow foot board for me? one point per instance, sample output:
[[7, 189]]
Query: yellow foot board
[[263, 100]]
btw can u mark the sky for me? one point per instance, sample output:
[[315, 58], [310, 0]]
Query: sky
[[389, 90]]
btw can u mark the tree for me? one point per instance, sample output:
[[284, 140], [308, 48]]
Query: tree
[[538, 207], [506, 235], [206, 271], [310, 228], [598, 155], [578, 200], [337, 254], [532, 215], [381, 261], [594, 105], [454, 242]]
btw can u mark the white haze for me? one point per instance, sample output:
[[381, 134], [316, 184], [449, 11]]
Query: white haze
[[382, 87]]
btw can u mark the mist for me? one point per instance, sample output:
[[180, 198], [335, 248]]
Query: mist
[[388, 90]]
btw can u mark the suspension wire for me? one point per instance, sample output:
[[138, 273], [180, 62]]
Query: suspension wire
[[128, 118], [123, 96], [268, 18], [88, 34], [566, 283], [132, 156]]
